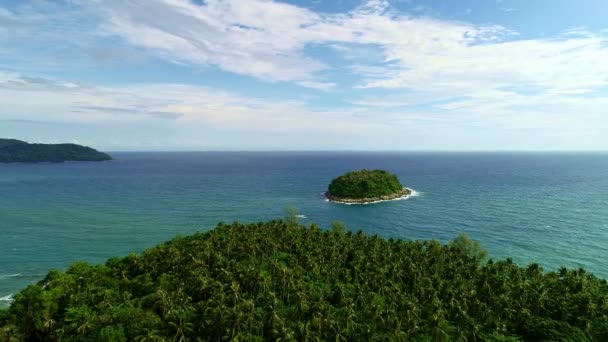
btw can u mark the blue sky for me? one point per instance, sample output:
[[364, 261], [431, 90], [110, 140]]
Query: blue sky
[[306, 75]]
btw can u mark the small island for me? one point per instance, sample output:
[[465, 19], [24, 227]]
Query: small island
[[366, 186], [17, 151]]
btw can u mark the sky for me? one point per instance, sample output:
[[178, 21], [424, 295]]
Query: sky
[[306, 75]]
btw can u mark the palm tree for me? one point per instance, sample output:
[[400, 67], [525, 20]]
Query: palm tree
[[151, 335], [178, 322]]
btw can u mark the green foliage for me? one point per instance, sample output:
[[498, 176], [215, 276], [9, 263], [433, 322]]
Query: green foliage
[[280, 281], [16, 151], [471, 248], [291, 215], [365, 184], [338, 227], [541, 329]]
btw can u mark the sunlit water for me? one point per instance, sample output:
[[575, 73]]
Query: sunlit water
[[546, 208]]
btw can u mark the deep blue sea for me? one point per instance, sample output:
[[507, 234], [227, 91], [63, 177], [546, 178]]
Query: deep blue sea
[[550, 208]]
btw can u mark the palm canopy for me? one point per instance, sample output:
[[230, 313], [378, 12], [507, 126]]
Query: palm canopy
[[282, 281]]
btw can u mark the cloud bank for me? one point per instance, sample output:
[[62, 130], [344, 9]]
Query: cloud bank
[[385, 70]]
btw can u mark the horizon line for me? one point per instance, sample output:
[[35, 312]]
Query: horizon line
[[358, 151]]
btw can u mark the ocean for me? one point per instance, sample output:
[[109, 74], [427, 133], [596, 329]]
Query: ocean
[[549, 208]]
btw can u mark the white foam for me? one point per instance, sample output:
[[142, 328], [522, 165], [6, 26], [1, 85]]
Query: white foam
[[413, 193], [5, 276], [302, 216], [7, 298]]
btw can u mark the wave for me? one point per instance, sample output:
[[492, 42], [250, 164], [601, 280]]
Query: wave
[[6, 276], [302, 216], [7, 298], [413, 193]]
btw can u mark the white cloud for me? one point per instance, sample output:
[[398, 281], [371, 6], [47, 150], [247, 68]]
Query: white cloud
[[408, 69], [179, 104], [255, 38], [186, 116], [268, 40], [382, 102]]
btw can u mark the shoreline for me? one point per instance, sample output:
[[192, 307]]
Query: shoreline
[[405, 193]]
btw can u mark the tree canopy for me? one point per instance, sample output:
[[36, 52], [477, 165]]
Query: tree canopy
[[282, 281], [365, 184], [17, 151], [7, 142]]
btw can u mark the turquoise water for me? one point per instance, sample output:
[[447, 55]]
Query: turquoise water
[[547, 208]]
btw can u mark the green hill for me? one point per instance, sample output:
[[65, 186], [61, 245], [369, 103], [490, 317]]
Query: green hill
[[8, 142], [280, 281], [17, 151]]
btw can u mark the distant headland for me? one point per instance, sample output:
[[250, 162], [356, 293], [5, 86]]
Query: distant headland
[[17, 151], [366, 186]]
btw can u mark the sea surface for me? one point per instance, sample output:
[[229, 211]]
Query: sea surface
[[550, 208]]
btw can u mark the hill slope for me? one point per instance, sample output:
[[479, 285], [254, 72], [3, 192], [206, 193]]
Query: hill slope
[[275, 280], [8, 142], [17, 151]]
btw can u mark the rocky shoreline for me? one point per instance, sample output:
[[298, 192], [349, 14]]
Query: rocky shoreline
[[404, 192]]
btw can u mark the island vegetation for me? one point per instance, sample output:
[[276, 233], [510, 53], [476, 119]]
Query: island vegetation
[[17, 151], [364, 186], [280, 281]]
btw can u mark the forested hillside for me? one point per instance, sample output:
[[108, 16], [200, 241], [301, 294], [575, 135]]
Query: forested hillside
[[281, 281], [17, 151]]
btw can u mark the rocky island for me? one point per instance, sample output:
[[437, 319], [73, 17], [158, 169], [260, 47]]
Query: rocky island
[[366, 186], [17, 151]]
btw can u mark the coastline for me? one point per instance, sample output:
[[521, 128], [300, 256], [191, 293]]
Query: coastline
[[405, 193]]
